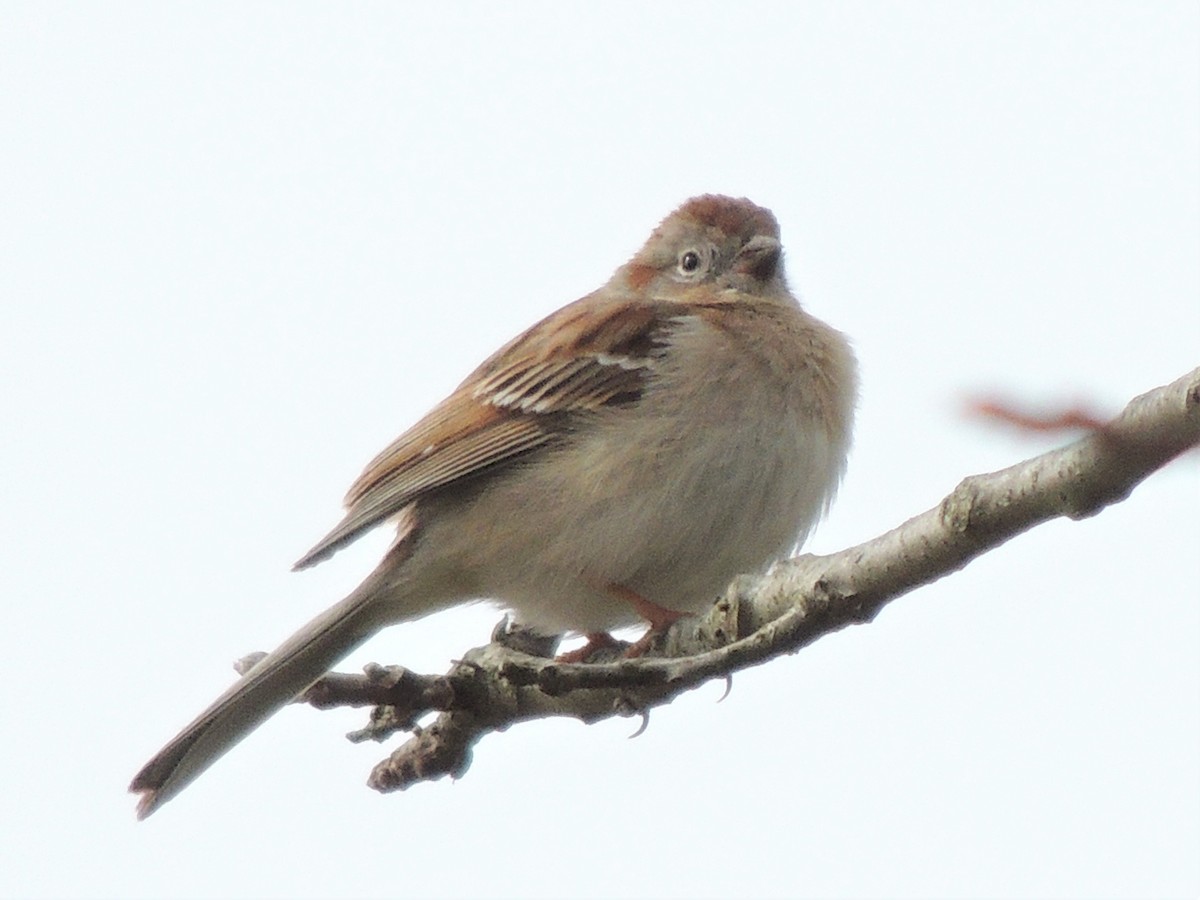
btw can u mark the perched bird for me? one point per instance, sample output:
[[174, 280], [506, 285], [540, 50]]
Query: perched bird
[[620, 461]]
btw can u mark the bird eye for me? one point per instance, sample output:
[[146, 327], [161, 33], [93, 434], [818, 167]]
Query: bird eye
[[689, 262]]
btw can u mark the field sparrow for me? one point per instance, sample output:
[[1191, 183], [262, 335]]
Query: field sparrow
[[620, 461]]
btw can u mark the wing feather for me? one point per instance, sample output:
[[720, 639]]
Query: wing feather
[[589, 355]]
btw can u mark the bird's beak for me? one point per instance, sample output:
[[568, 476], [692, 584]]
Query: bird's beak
[[759, 258]]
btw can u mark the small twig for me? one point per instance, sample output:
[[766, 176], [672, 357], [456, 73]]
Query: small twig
[[1068, 419]]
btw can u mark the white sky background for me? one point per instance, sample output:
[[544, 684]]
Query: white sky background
[[242, 246]]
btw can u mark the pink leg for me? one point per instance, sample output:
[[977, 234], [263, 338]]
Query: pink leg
[[596, 640], [659, 617]]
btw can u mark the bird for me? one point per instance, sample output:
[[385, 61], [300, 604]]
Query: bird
[[618, 462]]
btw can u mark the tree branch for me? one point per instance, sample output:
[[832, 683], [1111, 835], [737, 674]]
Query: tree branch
[[512, 680]]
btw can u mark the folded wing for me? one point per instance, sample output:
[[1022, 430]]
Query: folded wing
[[583, 358]]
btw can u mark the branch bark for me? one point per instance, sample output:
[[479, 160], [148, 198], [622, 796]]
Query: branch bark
[[512, 680]]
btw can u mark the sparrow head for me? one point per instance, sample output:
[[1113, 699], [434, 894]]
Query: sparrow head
[[723, 241]]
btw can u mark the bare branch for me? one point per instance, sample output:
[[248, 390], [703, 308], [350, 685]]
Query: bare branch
[[798, 601]]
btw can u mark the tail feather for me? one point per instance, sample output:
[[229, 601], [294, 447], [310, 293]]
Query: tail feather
[[271, 684]]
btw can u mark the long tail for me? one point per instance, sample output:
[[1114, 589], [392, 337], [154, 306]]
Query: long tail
[[271, 684]]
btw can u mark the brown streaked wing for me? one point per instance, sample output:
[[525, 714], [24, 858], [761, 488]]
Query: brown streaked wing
[[593, 353], [588, 355], [458, 438]]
